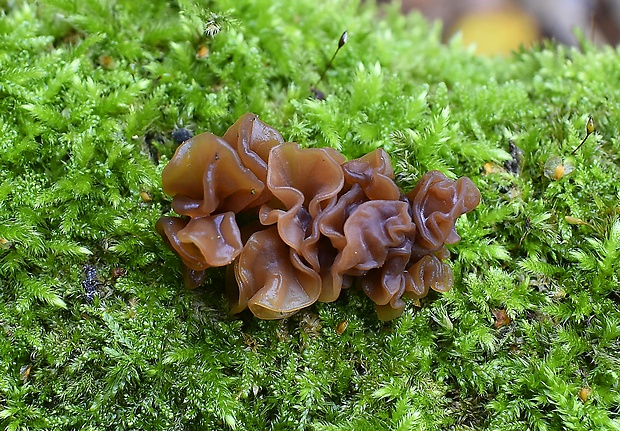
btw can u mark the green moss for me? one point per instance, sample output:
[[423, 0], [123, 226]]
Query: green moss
[[90, 92]]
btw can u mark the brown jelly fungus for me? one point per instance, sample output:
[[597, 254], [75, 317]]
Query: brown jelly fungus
[[298, 225]]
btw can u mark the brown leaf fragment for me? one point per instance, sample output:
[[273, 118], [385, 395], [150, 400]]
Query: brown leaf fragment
[[501, 318]]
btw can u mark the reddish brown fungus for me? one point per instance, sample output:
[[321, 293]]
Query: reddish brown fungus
[[301, 195], [313, 223], [272, 279], [437, 202], [202, 242]]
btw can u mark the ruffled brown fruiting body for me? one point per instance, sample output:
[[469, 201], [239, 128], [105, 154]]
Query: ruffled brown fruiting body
[[322, 223]]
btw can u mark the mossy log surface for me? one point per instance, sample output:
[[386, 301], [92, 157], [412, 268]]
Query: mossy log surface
[[96, 328]]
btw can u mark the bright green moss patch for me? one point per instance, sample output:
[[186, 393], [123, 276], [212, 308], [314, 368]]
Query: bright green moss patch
[[90, 92]]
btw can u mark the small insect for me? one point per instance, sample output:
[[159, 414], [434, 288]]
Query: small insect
[[318, 94], [514, 165], [146, 196], [91, 282], [212, 27], [181, 135]]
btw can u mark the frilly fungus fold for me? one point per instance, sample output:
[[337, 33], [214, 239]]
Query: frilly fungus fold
[[206, 175], [273, 281], [437, 202], [323, 224], [203, 242], [304, 182], [374, 173]]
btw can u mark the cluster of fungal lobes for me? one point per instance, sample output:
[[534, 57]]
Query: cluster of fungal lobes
[[298, 225]]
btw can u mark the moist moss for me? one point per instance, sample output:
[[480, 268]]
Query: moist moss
[[90, 95]]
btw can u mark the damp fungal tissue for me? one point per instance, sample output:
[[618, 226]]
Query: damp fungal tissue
[[298, 225]]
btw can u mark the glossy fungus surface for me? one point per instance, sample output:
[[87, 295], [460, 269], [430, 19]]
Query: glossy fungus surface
[[298, 225]]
